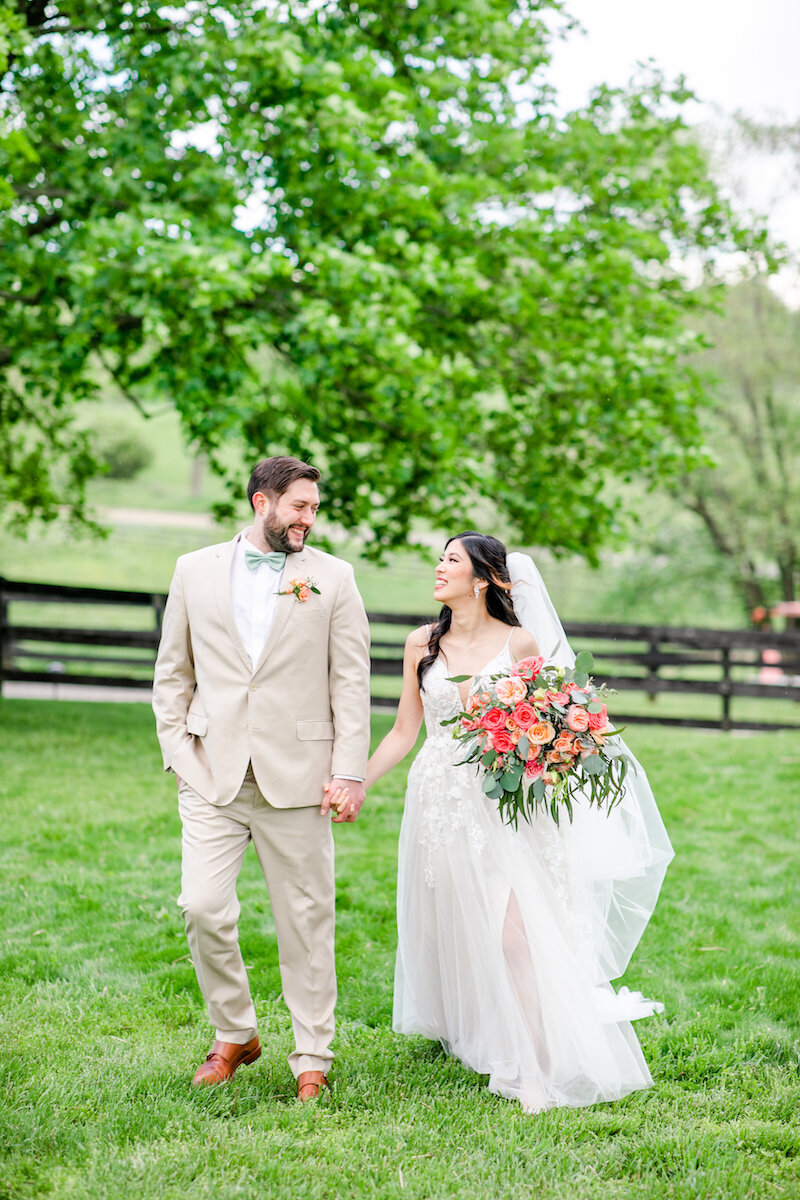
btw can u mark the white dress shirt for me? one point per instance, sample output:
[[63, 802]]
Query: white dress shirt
[[254, 595]]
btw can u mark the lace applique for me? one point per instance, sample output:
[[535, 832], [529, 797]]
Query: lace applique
[[449, 792]]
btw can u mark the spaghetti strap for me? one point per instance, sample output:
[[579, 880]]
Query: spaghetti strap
[[508, 639]]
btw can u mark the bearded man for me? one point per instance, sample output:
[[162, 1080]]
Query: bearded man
[[261, 697]]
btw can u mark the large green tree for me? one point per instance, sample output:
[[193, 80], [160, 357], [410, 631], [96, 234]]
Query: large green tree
[[358, 232]]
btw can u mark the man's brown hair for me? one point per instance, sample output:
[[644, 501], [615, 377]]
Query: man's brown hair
[[276, 475]]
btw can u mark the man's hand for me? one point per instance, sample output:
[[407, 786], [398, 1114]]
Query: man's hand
[[344, 797]]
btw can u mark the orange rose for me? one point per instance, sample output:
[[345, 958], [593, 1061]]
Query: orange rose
[[541, 732]]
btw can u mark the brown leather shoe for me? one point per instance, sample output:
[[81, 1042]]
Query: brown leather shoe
[[223, 1060], [310, 1084]]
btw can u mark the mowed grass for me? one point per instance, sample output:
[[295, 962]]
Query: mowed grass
[[102, 1024]]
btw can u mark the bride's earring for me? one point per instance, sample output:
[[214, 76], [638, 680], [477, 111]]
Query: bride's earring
[[476, 591]]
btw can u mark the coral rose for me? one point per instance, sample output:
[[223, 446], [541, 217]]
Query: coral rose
[[510, 691], [529, 667], [493, 719], [598, 720], [577, 718], [525, 715], [558, 697], [541, 732], [502, 742]]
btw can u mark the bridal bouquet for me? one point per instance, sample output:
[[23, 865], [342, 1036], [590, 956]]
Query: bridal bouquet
[[542, 737]]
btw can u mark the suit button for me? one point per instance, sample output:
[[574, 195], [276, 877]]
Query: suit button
[[253, 687]]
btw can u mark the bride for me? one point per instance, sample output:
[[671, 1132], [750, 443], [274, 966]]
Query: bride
[[507, 939]]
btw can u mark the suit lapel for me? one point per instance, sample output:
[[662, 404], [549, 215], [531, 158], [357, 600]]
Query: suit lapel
[[222, 592], [296, 568]]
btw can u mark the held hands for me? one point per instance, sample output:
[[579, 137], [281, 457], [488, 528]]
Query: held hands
[[344, 797]]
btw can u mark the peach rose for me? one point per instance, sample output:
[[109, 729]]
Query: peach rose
[[493, 719], [529, 667], [510, 691], [564, 743], [533, 751], [557, 697], [541, 732], [577, 718], [467, 724], [525, 715]]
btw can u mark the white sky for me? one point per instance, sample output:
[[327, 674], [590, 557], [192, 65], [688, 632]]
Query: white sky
[[736, 55]]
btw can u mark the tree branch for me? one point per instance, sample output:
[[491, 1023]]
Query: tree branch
[[127, 393]]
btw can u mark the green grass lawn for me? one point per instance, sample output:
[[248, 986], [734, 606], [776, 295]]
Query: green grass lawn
[[102, 1025]]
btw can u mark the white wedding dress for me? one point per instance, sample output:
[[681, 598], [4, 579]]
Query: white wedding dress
[[507, 939]]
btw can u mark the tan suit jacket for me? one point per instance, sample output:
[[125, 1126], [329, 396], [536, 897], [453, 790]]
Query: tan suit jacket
[[301, 715]]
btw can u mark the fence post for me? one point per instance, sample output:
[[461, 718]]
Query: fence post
[[159, 603], [651, 695], [5, 647], [725, 690]]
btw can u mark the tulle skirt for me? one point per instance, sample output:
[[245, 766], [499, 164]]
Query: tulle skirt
[[508, 939]]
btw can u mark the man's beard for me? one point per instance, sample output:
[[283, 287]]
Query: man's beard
[[277, 536]]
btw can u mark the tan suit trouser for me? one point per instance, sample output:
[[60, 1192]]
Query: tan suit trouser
[[295, 849]]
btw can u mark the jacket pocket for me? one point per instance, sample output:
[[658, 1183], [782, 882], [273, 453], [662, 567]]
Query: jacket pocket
[[315, 731], [197, 724]]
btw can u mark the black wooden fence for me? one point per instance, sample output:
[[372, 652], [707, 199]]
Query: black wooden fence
[[654, 659]]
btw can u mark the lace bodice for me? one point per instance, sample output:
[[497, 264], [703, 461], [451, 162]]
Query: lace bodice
[[440, 696]]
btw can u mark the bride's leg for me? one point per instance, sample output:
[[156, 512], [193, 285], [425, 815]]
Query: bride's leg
[[523, 977]]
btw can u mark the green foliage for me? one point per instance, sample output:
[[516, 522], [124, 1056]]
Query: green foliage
[[433, 292], [749, 500], [123, 453], [103, 1025]]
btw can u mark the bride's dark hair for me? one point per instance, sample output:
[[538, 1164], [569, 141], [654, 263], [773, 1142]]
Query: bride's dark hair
[[488, 557]]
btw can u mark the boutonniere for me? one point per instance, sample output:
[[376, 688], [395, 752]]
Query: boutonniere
[[301, 589]]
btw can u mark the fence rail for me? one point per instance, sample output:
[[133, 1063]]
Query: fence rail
[[727, 663]]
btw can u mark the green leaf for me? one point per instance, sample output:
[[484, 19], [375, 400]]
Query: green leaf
[[594, 765], [584, 663]]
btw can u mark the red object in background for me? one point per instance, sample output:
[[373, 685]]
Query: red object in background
[[771, 671]]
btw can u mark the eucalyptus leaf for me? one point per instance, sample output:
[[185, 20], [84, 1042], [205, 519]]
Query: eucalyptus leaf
[[594, 765], [584, 663]]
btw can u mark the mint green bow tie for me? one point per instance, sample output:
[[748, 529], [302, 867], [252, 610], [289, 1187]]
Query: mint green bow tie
[[254, 558]]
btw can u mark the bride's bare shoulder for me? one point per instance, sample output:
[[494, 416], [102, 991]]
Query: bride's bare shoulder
[[523, 644], [417, 640]]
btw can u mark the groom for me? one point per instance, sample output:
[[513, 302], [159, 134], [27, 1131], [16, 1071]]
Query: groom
[[261, 696]]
